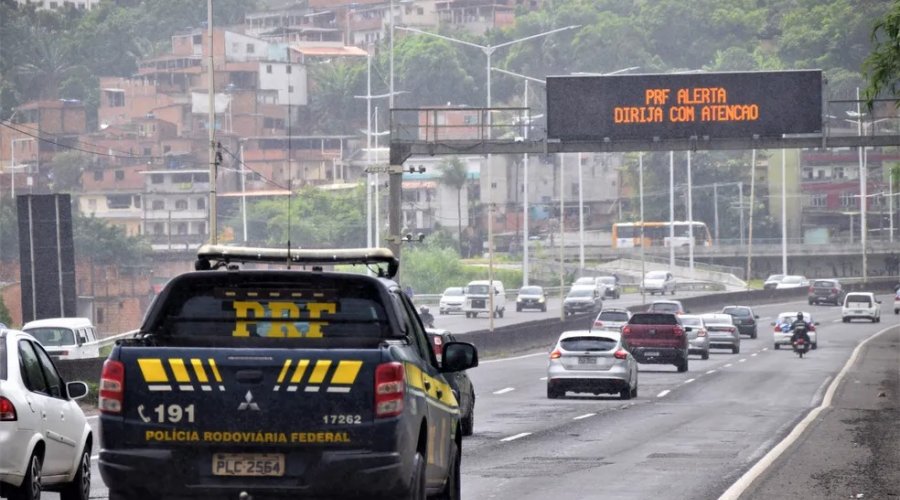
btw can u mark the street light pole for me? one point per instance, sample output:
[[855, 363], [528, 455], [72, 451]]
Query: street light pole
[[525, 196], [562, 239], [580, 216], [641, 189], [671, 210], [784, 269], [863, 201], [690, 214], [752, 204]]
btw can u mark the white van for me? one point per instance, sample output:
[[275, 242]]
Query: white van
[[65, 338], [478, 299]]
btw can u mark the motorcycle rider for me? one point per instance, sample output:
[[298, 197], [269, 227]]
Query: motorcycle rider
[[427, 318], [801, 330]]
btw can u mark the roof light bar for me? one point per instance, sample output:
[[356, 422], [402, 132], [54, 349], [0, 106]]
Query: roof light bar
[[215, 256]]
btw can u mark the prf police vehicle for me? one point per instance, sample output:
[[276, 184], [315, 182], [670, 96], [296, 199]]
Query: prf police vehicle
[[260, 383]]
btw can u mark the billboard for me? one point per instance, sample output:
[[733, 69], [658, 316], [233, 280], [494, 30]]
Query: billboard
[[681, 106], [46, 256]]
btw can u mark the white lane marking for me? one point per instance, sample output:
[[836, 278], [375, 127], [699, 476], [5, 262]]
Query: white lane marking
[[710, 372], [740, 486], [836, 320], [504, 391], [543, 378], [94, 457], [742, 360], [93, 417], [755, 354], [688, 381], [663, 393], [729, 365], [513, 359], [517, 436], [586, 415], [765, 348]]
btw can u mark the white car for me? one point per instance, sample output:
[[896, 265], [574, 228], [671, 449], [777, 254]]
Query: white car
[[591, 361], [861, 305], [611, 319], [782, 329], [452, 300], [65, 338], [44, 436], [658, 282], [792, 281]]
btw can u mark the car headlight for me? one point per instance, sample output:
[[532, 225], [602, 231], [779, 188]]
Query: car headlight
[[541, 300]]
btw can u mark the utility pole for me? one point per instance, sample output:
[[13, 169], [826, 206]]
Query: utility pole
[[752, 204], [213, 224]]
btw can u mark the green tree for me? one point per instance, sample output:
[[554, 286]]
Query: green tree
[[50, 63], [882, 66], [455, 176], [333, 86], [100, 242], [435, 71], [66, 170], [5, 317], [9, 230]]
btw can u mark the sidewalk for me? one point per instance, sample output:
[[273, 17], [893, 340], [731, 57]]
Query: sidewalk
[[853, 449]]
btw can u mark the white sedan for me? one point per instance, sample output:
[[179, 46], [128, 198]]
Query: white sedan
[[782, 332], [44, 436]]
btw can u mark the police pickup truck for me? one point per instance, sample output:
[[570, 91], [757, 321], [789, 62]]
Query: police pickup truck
[[266, 383]]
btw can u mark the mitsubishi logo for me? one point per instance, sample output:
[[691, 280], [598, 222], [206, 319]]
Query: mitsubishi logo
[[248, 403]]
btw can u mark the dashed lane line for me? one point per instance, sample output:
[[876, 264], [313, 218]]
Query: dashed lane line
[[543, 378], [663, 393], [586, 415], [729, 365], [688, 381], [517, 436], [710, 372], [505, 390], [742, 360], [755, 354]]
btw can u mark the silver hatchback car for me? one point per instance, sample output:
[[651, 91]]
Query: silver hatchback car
[[591, 361], [723, 334], [698, 337]]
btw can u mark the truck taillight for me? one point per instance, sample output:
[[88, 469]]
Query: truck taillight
[[112, 387], [555, 354], [7, 410], [678, 331], [626, 330], [390, 388], [620, 354]]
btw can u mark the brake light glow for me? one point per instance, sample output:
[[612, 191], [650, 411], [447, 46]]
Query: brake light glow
[[626, 330], [620, 354], [112, 387], [390, 388], [555, 354], [598, 324], [7, 410], [678, 331]]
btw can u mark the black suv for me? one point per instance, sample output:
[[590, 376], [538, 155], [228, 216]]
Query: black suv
[[828, 291]]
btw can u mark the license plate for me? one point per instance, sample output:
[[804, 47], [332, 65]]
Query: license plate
[[248, 464], [587, 360], [651, 354], [857, 312]]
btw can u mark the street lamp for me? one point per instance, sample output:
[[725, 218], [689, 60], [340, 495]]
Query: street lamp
[[488, 50]]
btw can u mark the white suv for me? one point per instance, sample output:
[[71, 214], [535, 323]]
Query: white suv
[[861, 305], [45, 438]]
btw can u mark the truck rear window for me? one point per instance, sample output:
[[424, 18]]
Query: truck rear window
[[317, 309], [653, 319], [859, 299]]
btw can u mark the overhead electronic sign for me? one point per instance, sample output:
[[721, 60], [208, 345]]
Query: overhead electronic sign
[[681, 106]]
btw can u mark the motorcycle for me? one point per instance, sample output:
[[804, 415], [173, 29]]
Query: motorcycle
[[800, 347]]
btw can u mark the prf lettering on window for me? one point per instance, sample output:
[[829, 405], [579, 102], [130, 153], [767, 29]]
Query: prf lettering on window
[[272, 319], [696, 104]]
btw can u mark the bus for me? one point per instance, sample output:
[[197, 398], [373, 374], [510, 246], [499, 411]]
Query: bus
[[657, 234]]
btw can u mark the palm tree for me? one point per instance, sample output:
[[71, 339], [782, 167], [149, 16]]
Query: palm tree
[[49, 64], [455, 175]]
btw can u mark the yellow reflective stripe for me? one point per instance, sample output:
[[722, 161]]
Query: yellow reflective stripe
[[414, 376], [178, 369], [152, 370], [215, 370], [301, 369], [318, 374], [198, 369], [284, 370], [346, 372]]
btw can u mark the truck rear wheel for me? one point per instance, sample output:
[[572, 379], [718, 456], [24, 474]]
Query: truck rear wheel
[[452, 489], [417, 482]]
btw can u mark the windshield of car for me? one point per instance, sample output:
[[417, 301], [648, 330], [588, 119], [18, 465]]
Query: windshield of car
[[664, 307], [588, 344], [824, 284], [717, 320], [613, 316], [531, 290], [689, 321], [656, 275], [53, 337], [581, 292], [477, 290], [453, 292], [791, 317], [775, 277], [742, 312], [584, 281], [607, 280], [653, 319], [791, 280], [858, 298]]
